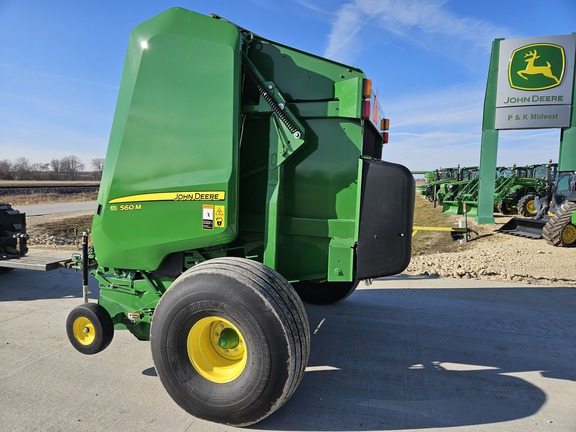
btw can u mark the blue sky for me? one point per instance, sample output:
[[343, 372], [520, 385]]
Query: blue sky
[[61, 63]]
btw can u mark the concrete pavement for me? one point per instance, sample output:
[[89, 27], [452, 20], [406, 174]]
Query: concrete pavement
[[405, 354]]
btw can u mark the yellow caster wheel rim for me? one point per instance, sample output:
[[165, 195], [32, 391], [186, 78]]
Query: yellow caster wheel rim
[[83, 330]]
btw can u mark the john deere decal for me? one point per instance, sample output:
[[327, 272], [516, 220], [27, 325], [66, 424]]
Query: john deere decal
[[537, 67]]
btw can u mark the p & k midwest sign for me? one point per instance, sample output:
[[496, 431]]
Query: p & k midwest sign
[[535, 82]]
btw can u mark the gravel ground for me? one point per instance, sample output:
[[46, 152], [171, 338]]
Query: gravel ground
[[498, 256]]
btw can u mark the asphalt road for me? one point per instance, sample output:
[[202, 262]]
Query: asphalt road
[[405, 354], [57, 208]]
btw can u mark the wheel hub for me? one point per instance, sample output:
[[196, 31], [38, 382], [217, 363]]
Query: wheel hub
[[216, 349], [228, 339]]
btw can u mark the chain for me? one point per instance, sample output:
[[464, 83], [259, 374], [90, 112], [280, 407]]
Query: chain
[[255, 171]]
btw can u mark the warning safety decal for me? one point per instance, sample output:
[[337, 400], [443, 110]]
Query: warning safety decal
[[213, 216], [219, 216], [207, 217]]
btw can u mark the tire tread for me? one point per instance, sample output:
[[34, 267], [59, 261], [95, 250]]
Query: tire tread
[[552, 231]]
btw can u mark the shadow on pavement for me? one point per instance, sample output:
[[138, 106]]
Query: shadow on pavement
[[24, 285], [388, 359]]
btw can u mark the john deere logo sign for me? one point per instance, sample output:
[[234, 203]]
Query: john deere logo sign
[[537, 67], [534, 82]]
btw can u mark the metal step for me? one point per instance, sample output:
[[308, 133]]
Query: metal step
[[34, 262]]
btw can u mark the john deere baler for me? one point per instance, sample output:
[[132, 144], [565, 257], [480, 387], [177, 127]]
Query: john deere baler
[[242, 175]]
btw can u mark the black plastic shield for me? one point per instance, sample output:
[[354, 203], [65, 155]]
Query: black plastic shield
[[386, 217]]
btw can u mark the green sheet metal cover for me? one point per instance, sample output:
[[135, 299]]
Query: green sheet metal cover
[[178, 102]]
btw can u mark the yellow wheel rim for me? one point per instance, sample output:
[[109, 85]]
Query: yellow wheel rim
[[217, 349], [83, 330], [531, 207], [569, 234]]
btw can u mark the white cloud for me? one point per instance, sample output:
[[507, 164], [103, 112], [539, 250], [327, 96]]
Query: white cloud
[[444, 128], [431, 148], [342, 40], [456, 105], [426, 23]]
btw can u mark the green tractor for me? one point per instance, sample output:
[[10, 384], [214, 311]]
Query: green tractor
[[466, 195], [527, 205], [555, 219], [242, 176], [436, 189], [512, 186], [516, 188], [465, 176]]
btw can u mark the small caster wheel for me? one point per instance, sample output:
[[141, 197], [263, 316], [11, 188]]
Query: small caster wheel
[[90, 328]]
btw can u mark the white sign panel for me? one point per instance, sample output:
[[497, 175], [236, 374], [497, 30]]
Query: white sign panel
[[535, 82]]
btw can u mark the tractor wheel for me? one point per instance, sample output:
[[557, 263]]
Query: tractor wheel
[[90, 328], [506, 208], [230, 341], [559, 230], [11, 221], [322, 293], [527, 205]]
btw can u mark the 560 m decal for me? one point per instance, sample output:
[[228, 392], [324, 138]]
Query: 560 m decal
[[126, 207]]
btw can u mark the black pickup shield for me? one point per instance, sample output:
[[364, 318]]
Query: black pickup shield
[[386, 217]]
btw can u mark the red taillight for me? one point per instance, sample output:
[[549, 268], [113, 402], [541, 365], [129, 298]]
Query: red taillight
[[385, 137], [366, 109]]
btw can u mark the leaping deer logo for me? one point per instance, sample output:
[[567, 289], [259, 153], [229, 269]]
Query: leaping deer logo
[[530, 58]]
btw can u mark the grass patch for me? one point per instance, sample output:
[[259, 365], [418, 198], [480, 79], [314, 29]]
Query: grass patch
[[47, 198], [426, 242], [65, 227]]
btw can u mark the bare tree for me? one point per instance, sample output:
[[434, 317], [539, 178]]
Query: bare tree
[[55, 165], [98, 165], [71, 166], [5, 169], [40, 171], [21, 168]]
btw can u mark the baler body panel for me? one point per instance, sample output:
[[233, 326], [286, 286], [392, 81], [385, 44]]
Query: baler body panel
[[174, 143], [194, 134]]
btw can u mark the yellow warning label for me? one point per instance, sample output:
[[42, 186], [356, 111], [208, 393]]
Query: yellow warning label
[[219, 216]]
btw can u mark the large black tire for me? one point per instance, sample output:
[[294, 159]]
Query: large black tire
[[505, 207], [89, 328], [559, 230], [242, 378], [527, 205], [10, 223], [322, 293]]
